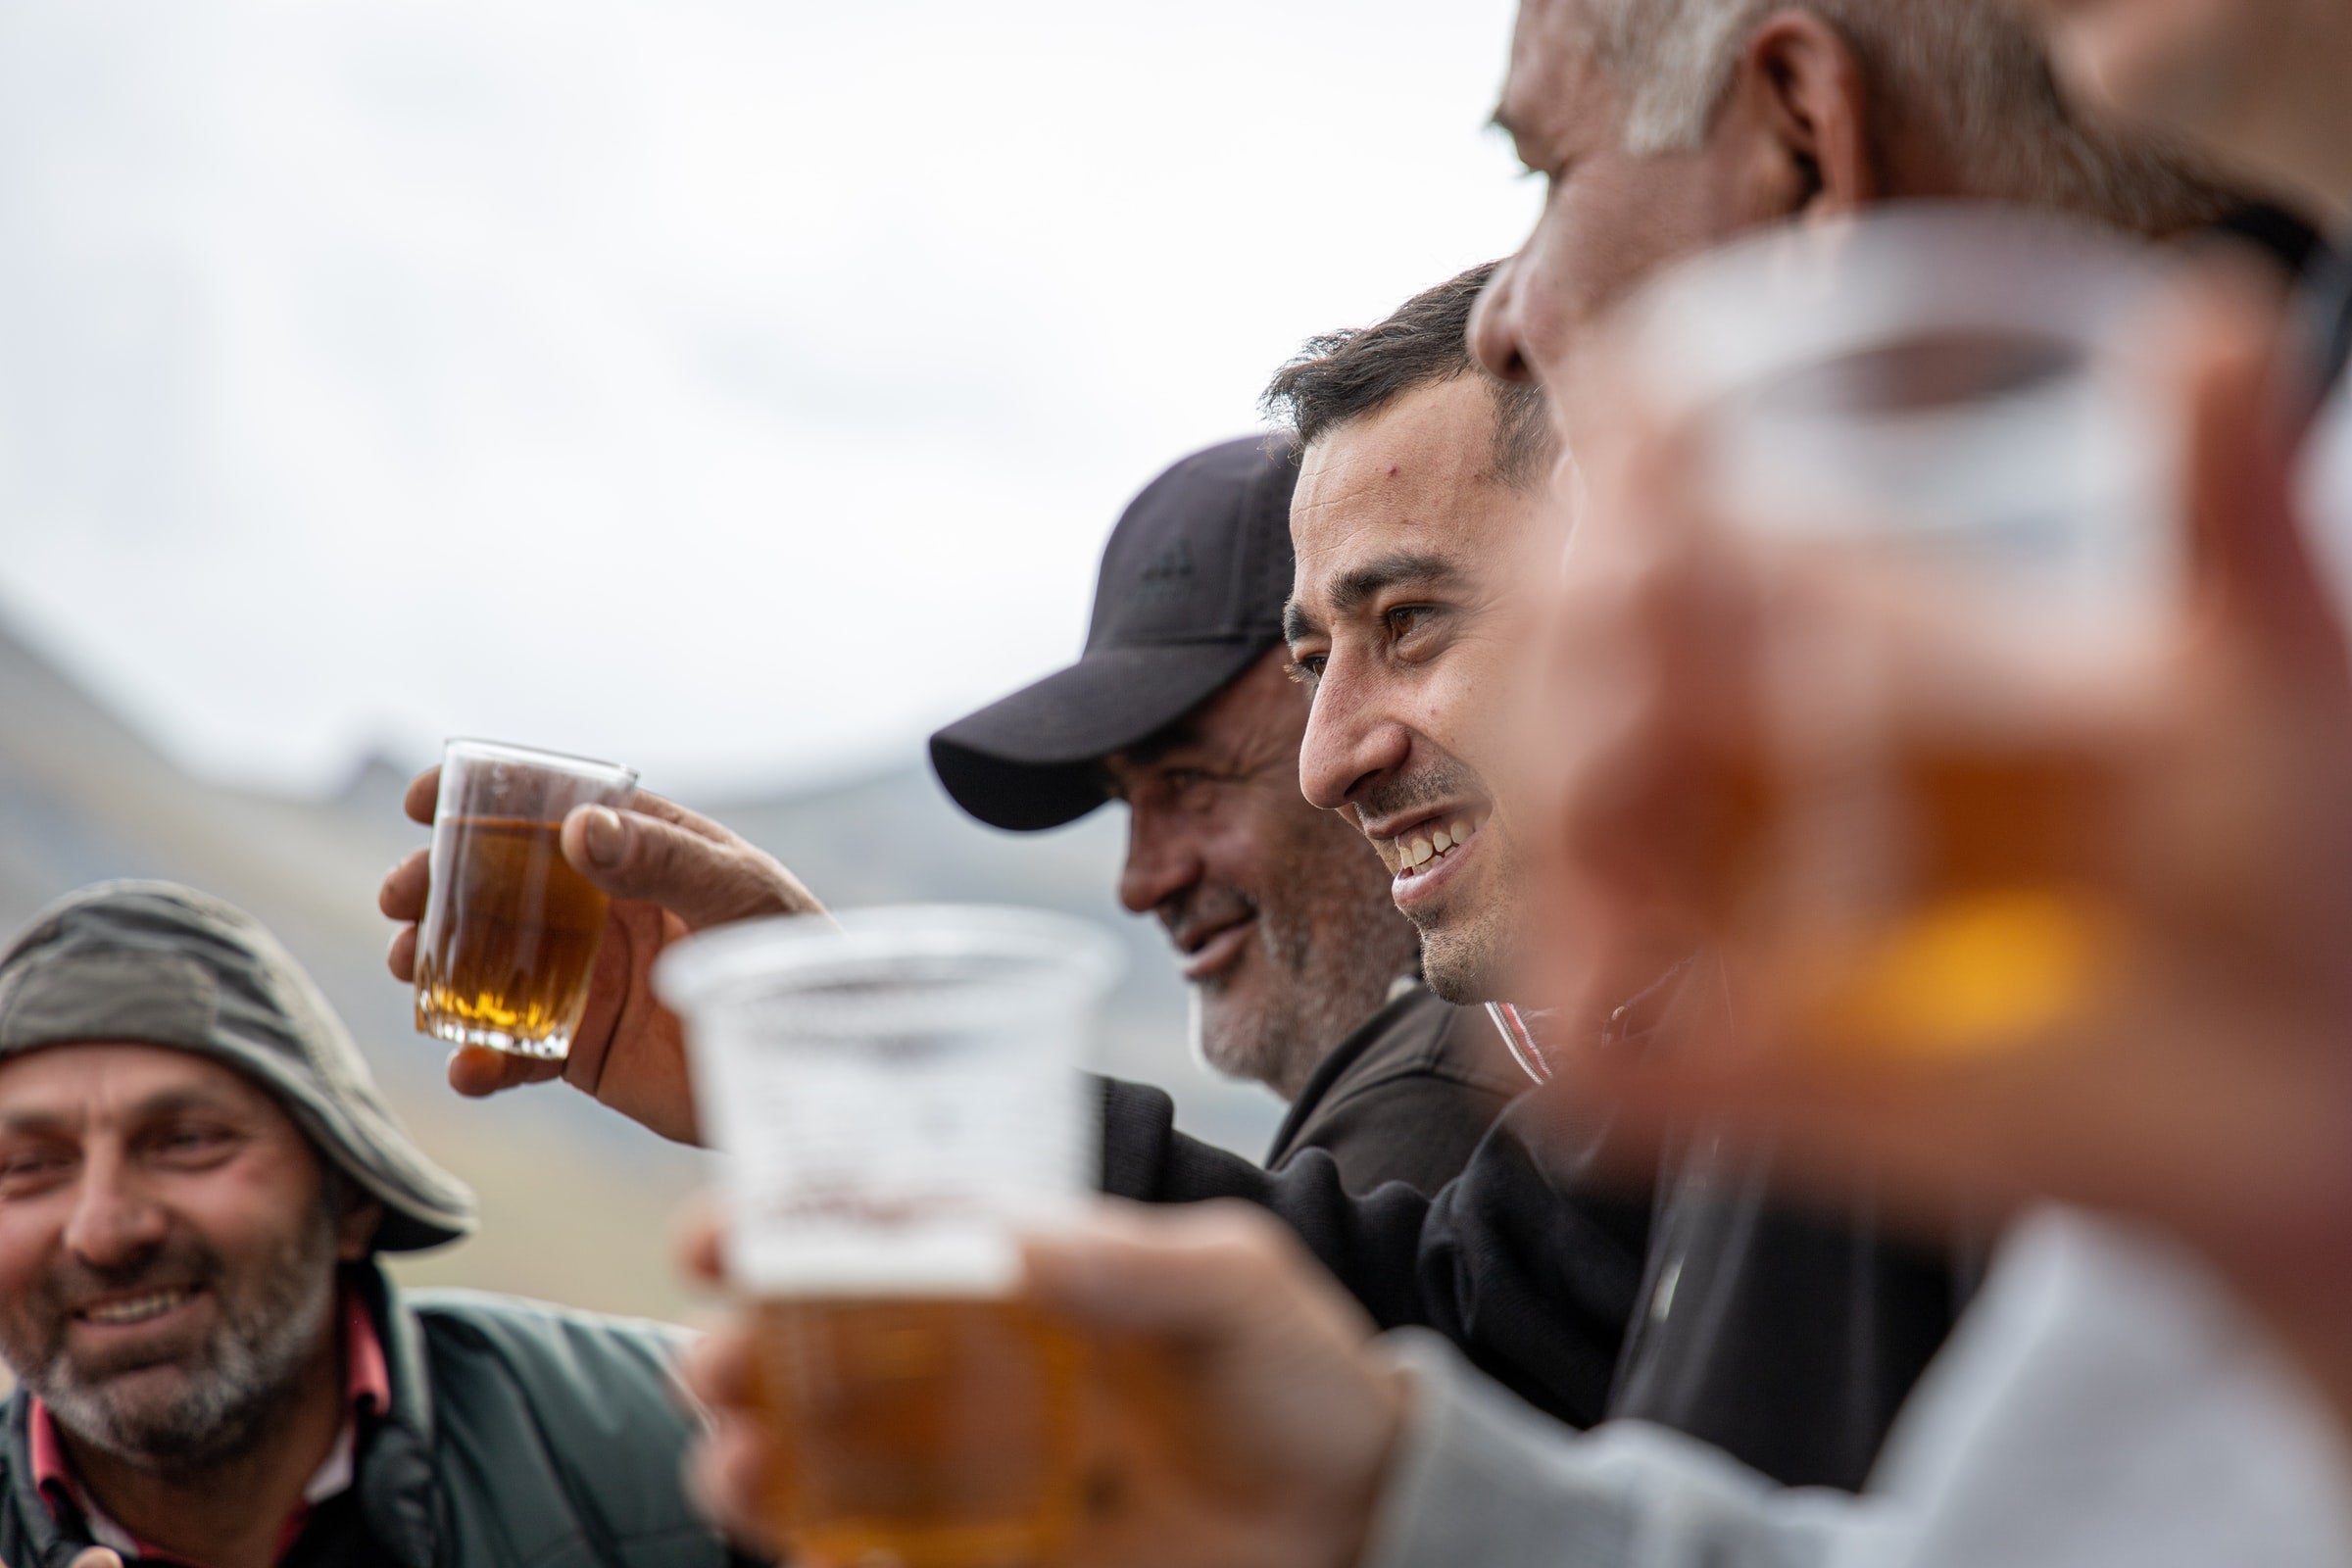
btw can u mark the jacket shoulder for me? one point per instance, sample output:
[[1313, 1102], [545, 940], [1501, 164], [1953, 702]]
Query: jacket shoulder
[[485, 1322], [589, 1403]]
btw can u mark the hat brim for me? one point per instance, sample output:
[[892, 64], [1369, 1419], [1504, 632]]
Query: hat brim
[[1034, 759]]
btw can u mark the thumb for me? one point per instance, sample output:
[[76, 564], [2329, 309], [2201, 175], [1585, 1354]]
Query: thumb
[[98, 1557], [702, 881]]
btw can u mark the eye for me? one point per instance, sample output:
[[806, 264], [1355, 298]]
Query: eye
[[1406, 620], [1306, 670], [192, 1144], [25, 1170]]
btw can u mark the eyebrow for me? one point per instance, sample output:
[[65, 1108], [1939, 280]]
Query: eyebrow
[[1360, 585], [165, 1102]]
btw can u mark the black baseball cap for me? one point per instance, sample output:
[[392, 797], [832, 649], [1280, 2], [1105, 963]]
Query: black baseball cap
[[1190, 596]]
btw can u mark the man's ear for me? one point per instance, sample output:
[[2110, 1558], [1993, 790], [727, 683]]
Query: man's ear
[[357, 1216], [1800, 109]]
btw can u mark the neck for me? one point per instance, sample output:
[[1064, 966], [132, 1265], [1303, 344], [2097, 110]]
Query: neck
[[230, 1514]]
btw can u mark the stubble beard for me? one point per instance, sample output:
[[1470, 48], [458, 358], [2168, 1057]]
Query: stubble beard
[[246, 1372], [1466, 961]]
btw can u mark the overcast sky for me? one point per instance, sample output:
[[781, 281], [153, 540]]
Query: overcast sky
[[733, 387]]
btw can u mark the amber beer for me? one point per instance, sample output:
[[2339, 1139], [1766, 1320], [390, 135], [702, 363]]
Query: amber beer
[[919, 1432], [508, 940], [1988, 924], [899, 1098], [504, 959]]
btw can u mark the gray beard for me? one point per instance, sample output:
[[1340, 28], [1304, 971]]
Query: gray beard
[[1333, 980], [252, 1367]]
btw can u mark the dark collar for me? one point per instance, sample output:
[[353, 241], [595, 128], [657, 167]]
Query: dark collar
[[395, 1482], [48, 1543], [1343, 1057]]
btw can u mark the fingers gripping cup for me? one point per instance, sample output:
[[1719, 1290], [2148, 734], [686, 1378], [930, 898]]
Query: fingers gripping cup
[[508, 940], [896, 1100]]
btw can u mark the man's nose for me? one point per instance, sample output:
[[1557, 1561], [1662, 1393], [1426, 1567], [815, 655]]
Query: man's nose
[[1494, 326], [1163, 859], [114, 1218], [1349, 742]]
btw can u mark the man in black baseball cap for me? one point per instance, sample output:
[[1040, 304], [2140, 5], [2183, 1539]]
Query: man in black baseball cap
[[1304, 975]]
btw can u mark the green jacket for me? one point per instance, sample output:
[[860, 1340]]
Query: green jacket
[[520, 1436]]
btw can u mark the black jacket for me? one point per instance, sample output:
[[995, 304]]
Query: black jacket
[[1786, 1338], [1406, 1098]]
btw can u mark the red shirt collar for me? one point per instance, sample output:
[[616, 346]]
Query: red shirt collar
[[368, 1392]]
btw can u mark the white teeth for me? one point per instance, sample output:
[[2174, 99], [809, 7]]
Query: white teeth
[[1416, 852], [136, 1310]]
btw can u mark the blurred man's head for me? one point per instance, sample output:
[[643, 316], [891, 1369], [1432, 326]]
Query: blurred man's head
[[1179, 708], [1665, 126], [190, 1145], [2258, 83], [1419, 524]]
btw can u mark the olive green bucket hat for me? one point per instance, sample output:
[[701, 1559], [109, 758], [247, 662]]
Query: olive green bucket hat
[[159, 965]]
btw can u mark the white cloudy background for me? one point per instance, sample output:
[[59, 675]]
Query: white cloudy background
[[739, 388]]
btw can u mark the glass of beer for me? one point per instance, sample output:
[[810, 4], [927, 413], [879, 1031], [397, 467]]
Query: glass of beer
[[897, 1099], [508, 940], [1937, 441]]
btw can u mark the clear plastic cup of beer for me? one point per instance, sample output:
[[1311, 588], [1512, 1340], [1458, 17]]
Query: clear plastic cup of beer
[[896, 1101], [1936, 440], [508, 941]]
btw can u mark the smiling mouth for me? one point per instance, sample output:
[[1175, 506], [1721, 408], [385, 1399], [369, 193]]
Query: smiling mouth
[[127, 1311], [1427, 845], [1207, 954]]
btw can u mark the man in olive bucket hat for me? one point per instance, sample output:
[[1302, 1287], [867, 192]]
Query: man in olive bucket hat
[[196, 1174]]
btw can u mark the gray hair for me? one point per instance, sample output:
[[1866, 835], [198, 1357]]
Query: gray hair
[[1972, 69]]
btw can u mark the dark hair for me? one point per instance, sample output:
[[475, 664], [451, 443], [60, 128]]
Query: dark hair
[[1341, 376]]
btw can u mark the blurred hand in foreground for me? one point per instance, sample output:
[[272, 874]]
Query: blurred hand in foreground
[[1244, 1419], [668, 872], [2214, 1095]]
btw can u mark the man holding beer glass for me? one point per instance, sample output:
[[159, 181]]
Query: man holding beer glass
[[2214, 1104], [1304, 975], [1223, 1293]]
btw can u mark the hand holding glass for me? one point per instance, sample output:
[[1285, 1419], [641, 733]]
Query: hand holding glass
[[511, 930], [896, 1100]]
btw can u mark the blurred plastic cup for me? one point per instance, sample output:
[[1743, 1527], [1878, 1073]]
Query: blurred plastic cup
[[897, 1099], [1938, 438], [510, 931]]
